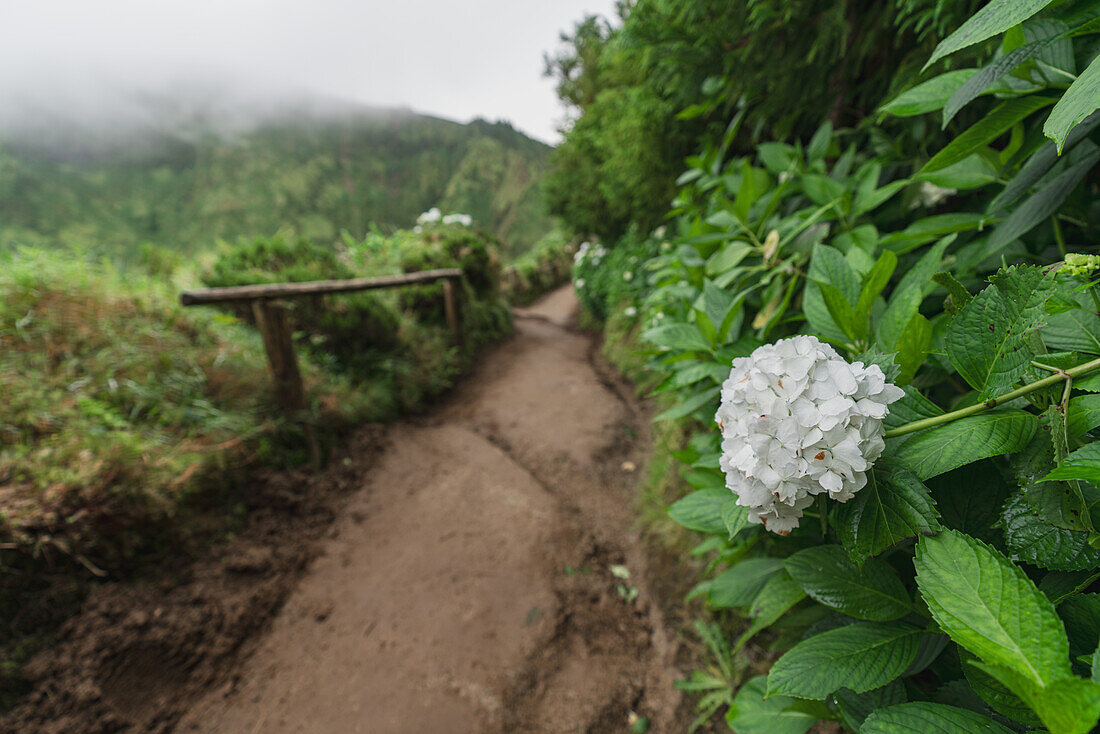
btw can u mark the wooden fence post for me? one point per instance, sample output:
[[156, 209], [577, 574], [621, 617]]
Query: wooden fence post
[[274, 327], [453, 308]]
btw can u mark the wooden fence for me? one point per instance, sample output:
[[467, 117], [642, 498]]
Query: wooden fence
[[274, 325]]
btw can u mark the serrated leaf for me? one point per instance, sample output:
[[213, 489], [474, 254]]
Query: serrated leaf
[[690, 405], [894, 506], [1079, 101], [1084, 463], [911, 408], [860, 656], [702, 510], [779, 593], [928, 96], [996, 17], [989, 340], [738, 585], [1043, 203], [840, 311], [736, 518], [1034, 540], [996, 694], [943, 448], [921, 717], [872, 592], [999, 120], [1069, 705], [990, 607], [752, 713]]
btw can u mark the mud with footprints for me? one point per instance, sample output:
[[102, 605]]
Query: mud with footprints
[[461, 572]]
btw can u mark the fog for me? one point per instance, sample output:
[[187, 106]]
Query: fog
[[112, 65]]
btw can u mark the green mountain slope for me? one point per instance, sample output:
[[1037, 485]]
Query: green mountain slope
[[316, 174]]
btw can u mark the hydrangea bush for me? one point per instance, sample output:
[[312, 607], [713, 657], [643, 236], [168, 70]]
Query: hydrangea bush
[[895, 459]]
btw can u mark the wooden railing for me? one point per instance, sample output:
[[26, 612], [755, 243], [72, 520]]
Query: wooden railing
[[274, 326]]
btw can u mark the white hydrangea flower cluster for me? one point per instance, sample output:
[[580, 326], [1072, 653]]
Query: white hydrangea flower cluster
[[434, 216], [797, 421], [464, 220], [431, 216], [586, 250]]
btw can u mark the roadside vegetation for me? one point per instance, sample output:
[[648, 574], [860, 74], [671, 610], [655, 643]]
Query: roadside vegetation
[[931, 211]]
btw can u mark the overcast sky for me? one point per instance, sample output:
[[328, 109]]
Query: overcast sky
[[477, 58]]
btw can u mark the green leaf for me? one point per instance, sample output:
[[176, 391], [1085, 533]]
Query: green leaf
[[928, 96], [736, 518], [999, 120], [1044, 202], [991, 72], [752, 713], [822, 190], [702, 510], [1037, 166], [976, 170], [1084, 463], [873, 284], [828, 265], [989, 340], [912, 407], [738, 585], [1080, 100], [683, 337], [912, 347], [996, 694], [996, 17], [1081, 615], [860, 656], [690, 405], [872, 592], [921, 717], [1069, 705], [727, 258], [914, 285], [943, 448], [1034, 540], [840, 310], [856, 707], [779, 594], [1083, 415], [989, 606], [927, 229], [1076, 330], [894, 506]]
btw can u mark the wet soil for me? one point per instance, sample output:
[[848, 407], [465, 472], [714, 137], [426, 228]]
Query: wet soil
[[475, 570]]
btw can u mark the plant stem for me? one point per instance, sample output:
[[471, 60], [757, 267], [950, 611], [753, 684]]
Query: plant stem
[[1059, 236], [954, 415]]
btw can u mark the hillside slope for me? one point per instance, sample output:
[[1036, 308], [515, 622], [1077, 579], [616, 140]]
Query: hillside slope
[[186, 186]]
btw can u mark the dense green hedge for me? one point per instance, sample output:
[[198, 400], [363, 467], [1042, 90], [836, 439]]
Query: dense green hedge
[[958, 589]]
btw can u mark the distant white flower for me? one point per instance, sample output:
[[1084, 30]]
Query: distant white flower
[[797, 421], [628, 276], [930, 194], [666, 246], [431, 216], [464, 219], [579, 283], [630, 312], [582, 251]]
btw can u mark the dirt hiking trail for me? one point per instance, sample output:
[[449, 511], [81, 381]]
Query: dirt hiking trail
[[472, 577]]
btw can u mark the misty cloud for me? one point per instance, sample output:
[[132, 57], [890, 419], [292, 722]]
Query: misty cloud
[[118, 64]]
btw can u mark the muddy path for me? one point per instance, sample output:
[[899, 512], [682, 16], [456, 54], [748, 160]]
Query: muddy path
[[474, 570]]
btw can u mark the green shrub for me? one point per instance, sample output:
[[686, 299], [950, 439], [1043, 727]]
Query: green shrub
[[349, 331]]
